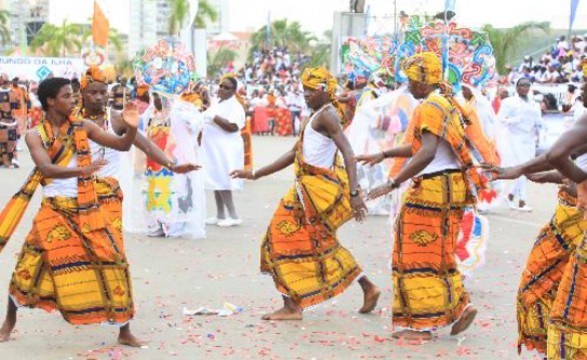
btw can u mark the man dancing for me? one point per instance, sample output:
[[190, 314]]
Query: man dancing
[[428, 287], [94, 92], [73, 259], [300, 249]]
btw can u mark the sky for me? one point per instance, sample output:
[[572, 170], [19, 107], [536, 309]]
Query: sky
[[316, 15]]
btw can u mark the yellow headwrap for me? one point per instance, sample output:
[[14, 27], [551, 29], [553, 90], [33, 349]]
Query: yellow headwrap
[[93, 73], [423, 67], [584, 67], [321, 79]]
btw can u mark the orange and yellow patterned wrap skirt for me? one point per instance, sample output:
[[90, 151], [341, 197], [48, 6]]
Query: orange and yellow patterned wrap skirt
[[567, 331], [428, 288], [300, 249], [83, 275], [548, 258]]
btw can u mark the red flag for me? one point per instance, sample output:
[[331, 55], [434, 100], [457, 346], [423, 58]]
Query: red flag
[[100, 27]]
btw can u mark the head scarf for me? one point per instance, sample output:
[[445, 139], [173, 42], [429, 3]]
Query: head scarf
[[93, 74], [142, 90], [423, 67], [321, 79]]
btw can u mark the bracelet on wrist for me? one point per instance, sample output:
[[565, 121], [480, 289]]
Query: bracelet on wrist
[[171, 165], [392, 183], [355, 193], [254, 173]]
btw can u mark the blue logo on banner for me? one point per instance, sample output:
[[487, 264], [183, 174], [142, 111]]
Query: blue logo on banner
[[43, 72]]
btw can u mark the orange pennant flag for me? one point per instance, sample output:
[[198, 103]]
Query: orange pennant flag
[[100, 26]]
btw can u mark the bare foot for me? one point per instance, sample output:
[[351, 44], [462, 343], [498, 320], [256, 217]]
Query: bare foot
[[284, 314], [411, 335], [128, 339], [6, 330], [370, 301], [465, 321]]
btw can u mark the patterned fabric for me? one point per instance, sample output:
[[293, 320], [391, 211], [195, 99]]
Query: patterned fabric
[[8, 123], [16, 207], [548, 258], [424, 67], [429, 292], [440, 115], [247, 136], [300, 249], [283, 122], [567, 331], [82, 275], [322, 80], [159, 178]]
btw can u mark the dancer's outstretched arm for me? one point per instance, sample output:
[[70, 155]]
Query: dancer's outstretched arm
[[403, 151], [281, 163], [559, 155], [151, 150], [419, 161]]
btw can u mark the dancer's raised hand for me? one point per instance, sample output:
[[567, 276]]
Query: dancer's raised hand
[[130, 114]]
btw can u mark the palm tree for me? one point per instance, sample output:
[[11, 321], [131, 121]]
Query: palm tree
[[4, 29], [282, 33], [180, 10], [320, 55], [505, 40], [59, 40], [205, 12], [218, 59]]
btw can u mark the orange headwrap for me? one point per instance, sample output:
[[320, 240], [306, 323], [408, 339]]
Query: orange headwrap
[[93, 73], [142, 90], [423, 67]]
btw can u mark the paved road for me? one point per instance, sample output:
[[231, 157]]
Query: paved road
[[172, 274]]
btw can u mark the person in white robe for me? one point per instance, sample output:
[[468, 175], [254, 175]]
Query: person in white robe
[[223, 151], [520, 118]]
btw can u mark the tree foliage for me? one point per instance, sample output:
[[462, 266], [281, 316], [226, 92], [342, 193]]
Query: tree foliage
[[505, 40], [282, 33], [59, 41], [180, 11], [218, 59], [4, 29]]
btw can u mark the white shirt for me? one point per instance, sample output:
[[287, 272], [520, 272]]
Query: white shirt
[[445, 159], [318, 150]]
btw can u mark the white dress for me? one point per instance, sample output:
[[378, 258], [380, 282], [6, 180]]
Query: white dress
[[517, 140], [223, 151]]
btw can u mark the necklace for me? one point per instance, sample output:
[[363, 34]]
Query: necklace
[[105, 126]]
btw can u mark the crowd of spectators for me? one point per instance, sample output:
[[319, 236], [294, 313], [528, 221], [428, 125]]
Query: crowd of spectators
[[560, 64]]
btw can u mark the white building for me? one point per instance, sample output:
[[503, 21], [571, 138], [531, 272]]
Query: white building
[[143, 25], [220, 26], [26, 19]]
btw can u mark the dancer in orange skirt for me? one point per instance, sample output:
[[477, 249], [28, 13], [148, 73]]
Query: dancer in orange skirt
[[428, 287], [300, 249], [73, 259]]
